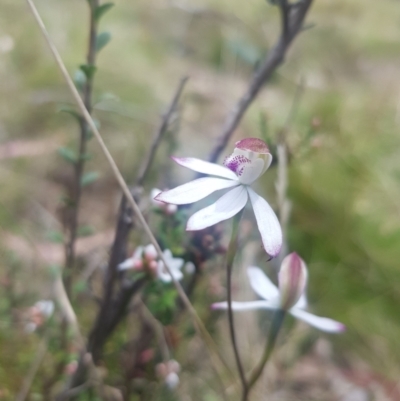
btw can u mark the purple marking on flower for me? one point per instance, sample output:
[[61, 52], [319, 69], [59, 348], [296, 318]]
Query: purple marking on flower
[[236, 163]]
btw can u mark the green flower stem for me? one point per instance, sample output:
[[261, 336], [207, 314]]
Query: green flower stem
[[276, 325], [232, 248]]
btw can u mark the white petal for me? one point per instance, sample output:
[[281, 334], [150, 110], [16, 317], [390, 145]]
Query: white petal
[[268, 224], [138, 252], [164, 275], [301, 303], [46, 308], [126, 264], [321, 323], [195, 190], [261, 284], [252, 171], [239, 306], [267, 162], [204, 167], [224, 208]]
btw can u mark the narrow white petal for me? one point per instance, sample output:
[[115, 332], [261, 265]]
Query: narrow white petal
[[194, 190], [261, 284], [126, 264], [204, 167], [239, 306], [268, 224], [224, 208], [321, 323], [301, 303], [164, 275]]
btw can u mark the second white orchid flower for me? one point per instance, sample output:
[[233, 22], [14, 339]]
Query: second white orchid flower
[[250, 159], [290, 296]]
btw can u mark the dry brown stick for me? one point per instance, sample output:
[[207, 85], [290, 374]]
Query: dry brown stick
[[292, 16], [215, 356]]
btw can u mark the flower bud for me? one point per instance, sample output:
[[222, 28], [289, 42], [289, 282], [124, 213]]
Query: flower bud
[[172, 380], [153, 265], [171, 209], [292, 280], [150, 253]]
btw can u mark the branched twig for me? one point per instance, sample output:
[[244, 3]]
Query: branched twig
[[147, 162], [72, 222], [293, 16], [198, 324], [124, 226]]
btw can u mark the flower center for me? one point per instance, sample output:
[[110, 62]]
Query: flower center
[[236, 163]]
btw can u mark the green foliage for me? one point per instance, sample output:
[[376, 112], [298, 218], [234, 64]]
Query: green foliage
[[68, 154], [70, 111], [89, 178], [55, 236], [80, 287], [161, 300], [101, 10], [88, 70], [102, 40], [85, 231], [79, 79]]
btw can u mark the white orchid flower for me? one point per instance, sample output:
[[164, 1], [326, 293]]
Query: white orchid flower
[[38, 314], [45, 307], [250, 159], [290, 296], [135, 262], [146, 258], [174, 264]]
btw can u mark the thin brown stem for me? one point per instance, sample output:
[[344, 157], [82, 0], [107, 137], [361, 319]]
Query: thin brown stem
[[292, 16], [276, 325], [230, 257], [72, 222], [162, 129]]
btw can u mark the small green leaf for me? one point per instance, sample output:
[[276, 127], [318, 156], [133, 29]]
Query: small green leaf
[[101, 10], [55, 236], [102, 39], [89, 178], [86, 157], [79, 79], [88, 70], [54, 271], [80, 287], [89, 134], [72, 112], [68, 155], [85, 231]]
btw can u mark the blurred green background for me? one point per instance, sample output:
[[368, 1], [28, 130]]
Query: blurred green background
[[344, 143]]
